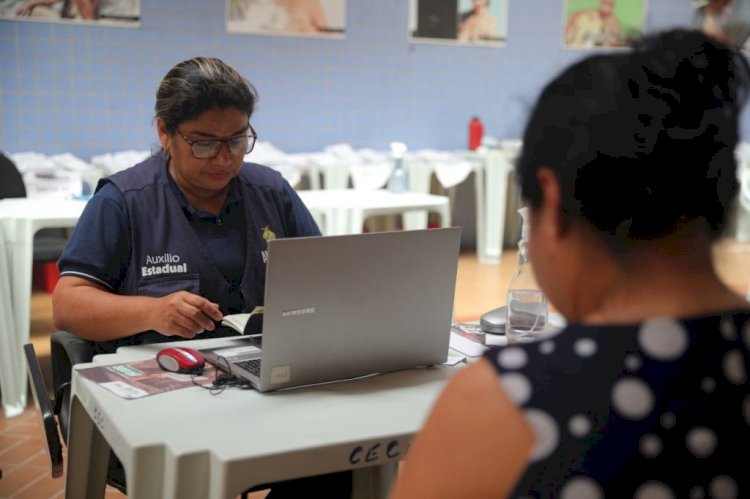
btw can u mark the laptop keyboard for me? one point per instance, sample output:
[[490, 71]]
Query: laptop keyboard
[[252, 366]]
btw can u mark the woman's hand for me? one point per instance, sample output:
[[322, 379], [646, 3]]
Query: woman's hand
[[184, 314]]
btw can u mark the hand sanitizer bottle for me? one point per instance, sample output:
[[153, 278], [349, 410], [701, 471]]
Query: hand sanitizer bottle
[[526, 305], [398, 182]]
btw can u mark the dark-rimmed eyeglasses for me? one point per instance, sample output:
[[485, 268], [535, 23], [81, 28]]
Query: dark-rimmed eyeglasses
[[210, 148]]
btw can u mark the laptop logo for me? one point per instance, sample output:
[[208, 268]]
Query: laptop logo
[[280, 374], [298, 311]]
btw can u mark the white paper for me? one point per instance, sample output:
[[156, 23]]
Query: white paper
[[466, 346], [124, 390]]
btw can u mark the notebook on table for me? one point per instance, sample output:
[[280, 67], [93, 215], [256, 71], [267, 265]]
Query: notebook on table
[[340, 307]]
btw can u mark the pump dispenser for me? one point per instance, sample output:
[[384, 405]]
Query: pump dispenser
[[526, 305]]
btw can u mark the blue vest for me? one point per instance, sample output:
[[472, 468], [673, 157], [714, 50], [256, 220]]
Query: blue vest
[[167, 256]]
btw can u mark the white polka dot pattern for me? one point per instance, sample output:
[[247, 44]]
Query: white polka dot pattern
[[579, 426], [581, 487], [663, 339], [650, 445], [723, 487], [726, 326], [667, 420], [682, 375], [517, 386], [632, 398], [546, 431], [633, 362], [585, 347], [653, 490], [734, 367], [701, 441], [547, 347], [512, 358]]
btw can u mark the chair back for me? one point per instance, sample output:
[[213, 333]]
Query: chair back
[[66, 350], [11, 180], [44, 411]]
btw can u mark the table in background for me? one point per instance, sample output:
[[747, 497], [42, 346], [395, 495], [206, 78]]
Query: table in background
[[344, 211], [20, 219], [190, 444], [492, 168], [491, 191]]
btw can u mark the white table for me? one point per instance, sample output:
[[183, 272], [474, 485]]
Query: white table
[[189, 444], [492, 168], [344, 211], [491, 190], [20, 219]]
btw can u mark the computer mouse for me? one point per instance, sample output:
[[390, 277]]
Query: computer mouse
[[493, 322], [180, 360]]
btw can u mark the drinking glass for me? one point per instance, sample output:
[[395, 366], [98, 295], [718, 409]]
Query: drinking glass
[[527, 315]]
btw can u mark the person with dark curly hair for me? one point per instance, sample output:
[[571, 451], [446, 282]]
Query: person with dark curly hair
[[628, 170]]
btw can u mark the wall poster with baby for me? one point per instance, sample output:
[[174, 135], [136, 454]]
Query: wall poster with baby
[[125, 13], [317, 18], [476, 22], [591, 24], [725, 20]]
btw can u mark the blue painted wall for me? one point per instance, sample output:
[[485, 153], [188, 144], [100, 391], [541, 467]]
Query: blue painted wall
[[90, 89]]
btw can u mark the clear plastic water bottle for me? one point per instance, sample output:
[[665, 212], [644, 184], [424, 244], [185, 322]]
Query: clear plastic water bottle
[[526, 304], [398, 182]]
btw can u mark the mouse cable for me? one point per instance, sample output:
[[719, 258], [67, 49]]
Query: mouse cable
[[223, 380]]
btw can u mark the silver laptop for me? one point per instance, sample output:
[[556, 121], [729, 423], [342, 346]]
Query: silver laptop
[[341, 307]]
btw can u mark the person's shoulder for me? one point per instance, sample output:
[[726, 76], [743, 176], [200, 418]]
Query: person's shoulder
[[147, 172], [260, 175], [108, 191]]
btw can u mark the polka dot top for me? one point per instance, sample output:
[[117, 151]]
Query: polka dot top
[[655, 411]]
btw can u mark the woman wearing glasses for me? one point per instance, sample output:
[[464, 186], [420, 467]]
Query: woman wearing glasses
[[167, 247]]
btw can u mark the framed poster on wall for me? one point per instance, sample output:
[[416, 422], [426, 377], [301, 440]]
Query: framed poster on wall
[[477, 22], [111, 12], [318, 18], [726, 20], [602, 23]]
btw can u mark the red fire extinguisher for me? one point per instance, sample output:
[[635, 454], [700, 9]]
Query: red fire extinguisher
[[476, 131]]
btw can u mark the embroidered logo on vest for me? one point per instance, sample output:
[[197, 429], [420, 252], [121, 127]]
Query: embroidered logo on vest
[[163, 264], [268, 235]]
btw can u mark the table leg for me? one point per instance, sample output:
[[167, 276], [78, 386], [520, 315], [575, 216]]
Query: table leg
[[497, 167], [313, 175], [420, 175], [355, 219], [88, 456], [374, 482], [415, 220], [336, 176], [481, 208], [10, 382], [445, 215], [20, 254]]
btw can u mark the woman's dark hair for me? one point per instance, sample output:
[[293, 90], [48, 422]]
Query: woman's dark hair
[[641, 141], [199, 84]]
